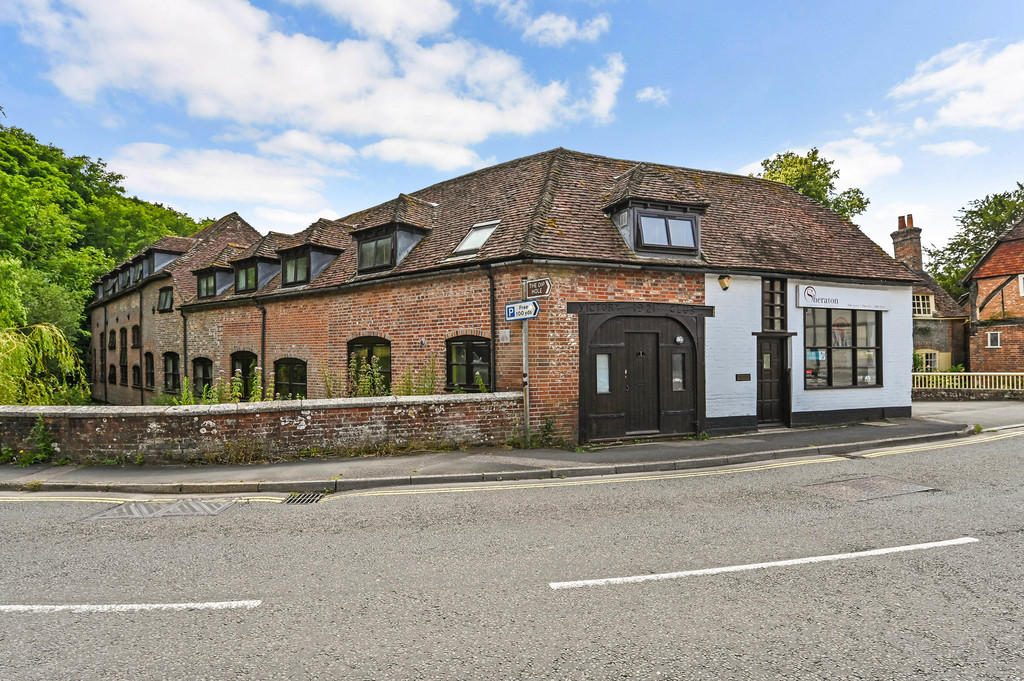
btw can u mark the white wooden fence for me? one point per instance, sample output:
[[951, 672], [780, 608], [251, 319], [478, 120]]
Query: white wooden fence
[[968, 381]]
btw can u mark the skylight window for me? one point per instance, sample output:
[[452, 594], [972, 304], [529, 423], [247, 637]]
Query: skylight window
[[478, 234]]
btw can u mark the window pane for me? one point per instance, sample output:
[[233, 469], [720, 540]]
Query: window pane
[[842, 368], [366, 250], [383, 355], [816, 368], [678, 380], [816, 327], [603, 378], [302, 268], [867, 367], [866, 329], [653, 230], [383, 256], [475, 239], [681, 232], [841, 337]]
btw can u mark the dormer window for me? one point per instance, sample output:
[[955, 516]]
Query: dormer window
[[295, 268], [137, 273], [206, 285], [923, 305], [125, 277], [666, 230], [377, 251], [478, 234], [245, 278]]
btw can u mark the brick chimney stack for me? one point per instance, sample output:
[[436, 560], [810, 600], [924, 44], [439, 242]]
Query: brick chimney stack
[[906, 243]]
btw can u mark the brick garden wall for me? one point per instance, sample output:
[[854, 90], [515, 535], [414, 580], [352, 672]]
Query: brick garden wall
[[266, 430]]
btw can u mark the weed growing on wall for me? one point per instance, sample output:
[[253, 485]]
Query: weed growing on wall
[[422, 382], [366, 378]]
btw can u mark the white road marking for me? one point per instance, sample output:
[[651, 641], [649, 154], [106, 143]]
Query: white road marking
[[132, 607], [758, 566]]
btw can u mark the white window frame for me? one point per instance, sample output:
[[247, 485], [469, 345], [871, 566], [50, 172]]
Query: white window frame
[[1020, 284], [472, 242], [929, 360], [923, 305], [990, 335]]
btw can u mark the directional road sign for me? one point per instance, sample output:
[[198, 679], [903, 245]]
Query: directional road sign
[[538, 288], [527, 309]]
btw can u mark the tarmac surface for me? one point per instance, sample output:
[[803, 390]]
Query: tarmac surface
[[932, 421]]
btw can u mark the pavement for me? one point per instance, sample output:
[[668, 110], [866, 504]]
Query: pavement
[[932, 421]]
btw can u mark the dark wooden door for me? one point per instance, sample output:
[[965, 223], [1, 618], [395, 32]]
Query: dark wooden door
[[641, 381], [771, 381]]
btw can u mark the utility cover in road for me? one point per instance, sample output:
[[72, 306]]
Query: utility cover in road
[[527, 309]]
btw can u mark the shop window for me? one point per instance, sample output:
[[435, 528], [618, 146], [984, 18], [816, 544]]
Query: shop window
[[243, 366], [773, 304], [994, 339], [290, 378], [165, 302], [478, 234], [136, 376], [362, 350], [245, 278], [206, 285], [136, 336], [842, 348], [295, 269], [172, 372], [923, 305], [377, 251], [469, 363], [202, 375], [150, 377]]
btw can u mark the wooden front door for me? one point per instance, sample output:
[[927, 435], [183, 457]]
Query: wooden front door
[[639, 377], [772, 387]]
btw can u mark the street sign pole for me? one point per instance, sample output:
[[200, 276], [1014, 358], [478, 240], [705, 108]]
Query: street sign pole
[[526, 377]]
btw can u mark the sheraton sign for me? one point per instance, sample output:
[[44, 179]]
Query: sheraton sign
[[837, 298]]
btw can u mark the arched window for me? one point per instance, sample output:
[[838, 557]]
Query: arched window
[[136, 376], [202, 375], [360, 350], [112, 340], [243, 364], [150, 378], [112, 375], [123, 357], [290, 378], [136, 336], [467, 358], [172, 372]]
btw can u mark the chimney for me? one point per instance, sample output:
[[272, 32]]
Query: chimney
[[906, 243]]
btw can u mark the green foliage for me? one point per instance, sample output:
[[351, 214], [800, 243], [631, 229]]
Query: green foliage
[[480, 382], [39, 366], [422, 382], [365, 378], [813, 176], [982, 222]]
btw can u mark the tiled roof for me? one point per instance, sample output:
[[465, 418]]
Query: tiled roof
[[174, 244], [945, 306], [1005, 257], [223, 259], [552, 205], [230, 231]]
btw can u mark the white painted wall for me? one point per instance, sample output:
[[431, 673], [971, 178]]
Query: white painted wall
[[730, 348]]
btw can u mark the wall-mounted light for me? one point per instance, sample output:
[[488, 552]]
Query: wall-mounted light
[[724, 281]]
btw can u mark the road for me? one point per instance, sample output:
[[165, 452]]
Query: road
[[456, 582]]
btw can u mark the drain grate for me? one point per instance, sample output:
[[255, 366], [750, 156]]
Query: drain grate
[[134, 510], [862, 489], [304, 498]]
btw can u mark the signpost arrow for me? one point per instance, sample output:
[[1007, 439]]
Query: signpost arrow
[[538, 288], [527, 309]]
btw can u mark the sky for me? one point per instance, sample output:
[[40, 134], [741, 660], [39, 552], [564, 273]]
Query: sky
[[286, 111]]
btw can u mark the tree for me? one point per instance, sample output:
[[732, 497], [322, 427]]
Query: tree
[[813, 176], [39, 366], [982, 222]]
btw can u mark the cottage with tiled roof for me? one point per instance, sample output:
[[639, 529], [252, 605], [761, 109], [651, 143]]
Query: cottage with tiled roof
[[940, 323], [667, 300], [996, 298]]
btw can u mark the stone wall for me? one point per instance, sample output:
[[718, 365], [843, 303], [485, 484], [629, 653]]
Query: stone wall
[[243, 432], [951, 395]]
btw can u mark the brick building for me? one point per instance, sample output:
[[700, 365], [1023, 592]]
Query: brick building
[[996, 297], [940, 323], [680, 301]]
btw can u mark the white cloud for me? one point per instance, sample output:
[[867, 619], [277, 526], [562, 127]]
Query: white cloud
[[446, 157], [289, 222], [299, 144], [158, 171], [549, 29], [752, 168], [225, 59], [607, 82], [879, 126], [955, 149], [389, 19], [653, 94], [972, 87], [859, 162]]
